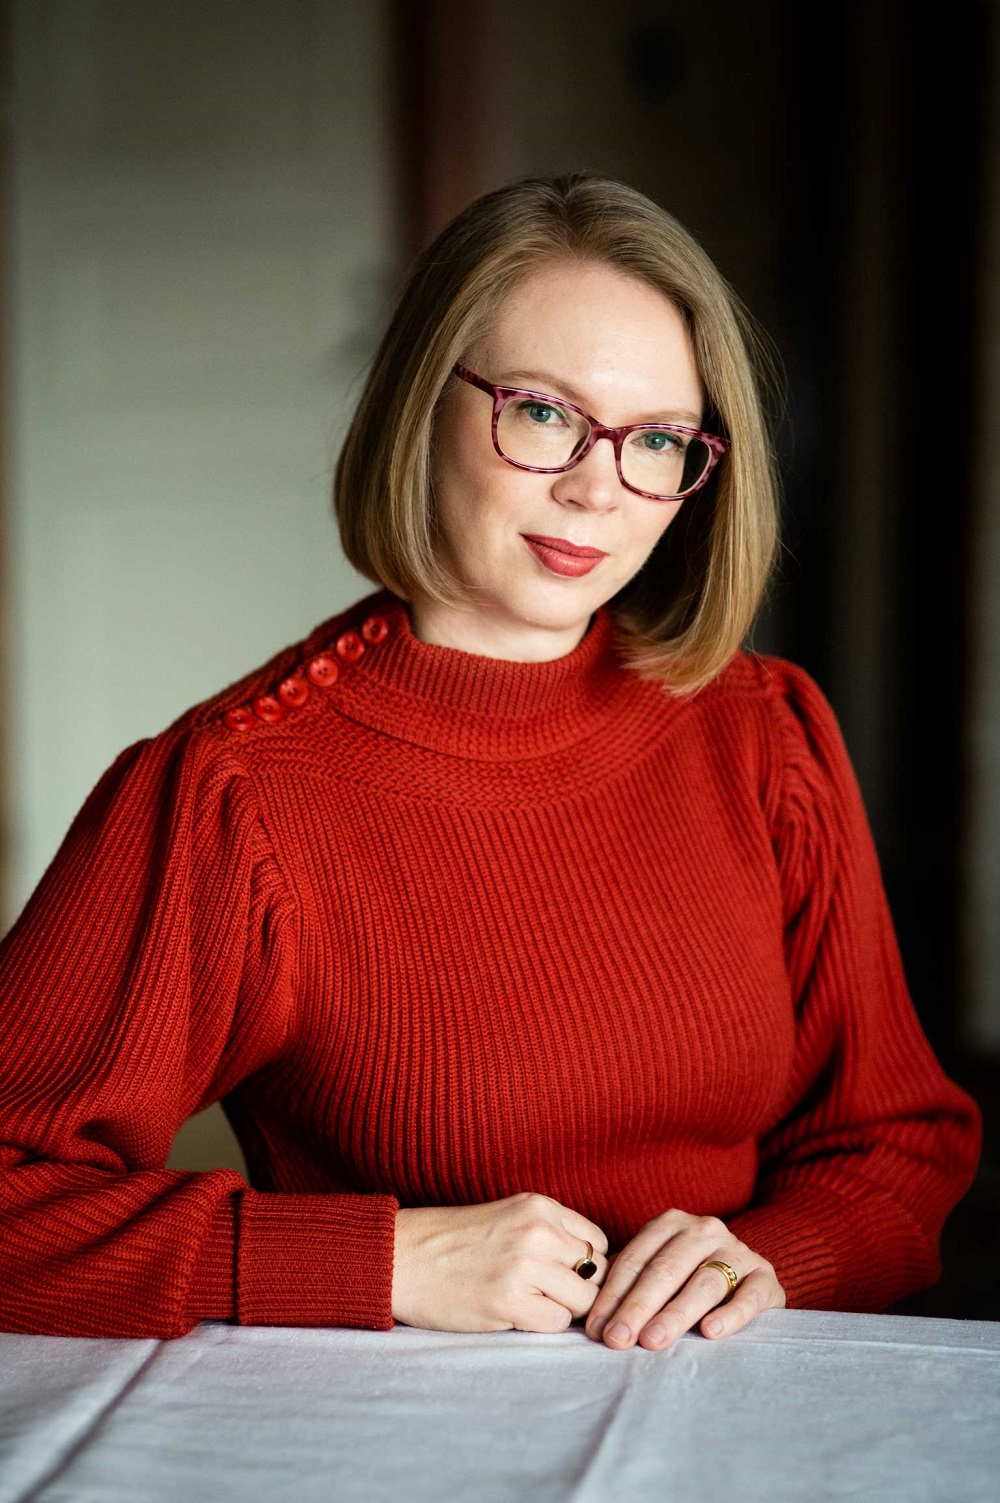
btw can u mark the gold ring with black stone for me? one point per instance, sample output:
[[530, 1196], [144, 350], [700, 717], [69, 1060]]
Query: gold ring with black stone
[[586, 1267]]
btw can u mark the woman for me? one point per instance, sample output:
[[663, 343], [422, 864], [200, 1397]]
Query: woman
[[529, 929]]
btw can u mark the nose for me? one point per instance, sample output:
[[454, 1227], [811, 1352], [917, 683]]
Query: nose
[[593, 480]]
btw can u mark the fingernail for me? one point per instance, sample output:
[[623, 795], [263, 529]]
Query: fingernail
[[656, 1333], [715, 1326], [597, 1325], [619, 1332]]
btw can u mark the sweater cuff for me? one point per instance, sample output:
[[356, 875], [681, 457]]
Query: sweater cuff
[[212, 1294], [315, 1260], [831, 1251]]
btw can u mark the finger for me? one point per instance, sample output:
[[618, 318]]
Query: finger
[[580, 1229], [650, 1271], [597, 1281], [760, 1290], [558, 1290], [625, 1268], [565, 1285], [706, 1289], [584, 1289], [548, 1227]]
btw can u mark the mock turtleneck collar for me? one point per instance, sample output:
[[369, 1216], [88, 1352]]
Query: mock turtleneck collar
[[482, 707]]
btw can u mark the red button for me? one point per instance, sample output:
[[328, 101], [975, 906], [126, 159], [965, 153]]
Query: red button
[[293, 690], [350, 646], [322, 669], [239, 720], [375, 629], [269, 709]]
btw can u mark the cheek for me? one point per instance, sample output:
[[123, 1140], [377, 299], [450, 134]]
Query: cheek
[[643, 535], [650, 526], [481, 494], [464, 445]]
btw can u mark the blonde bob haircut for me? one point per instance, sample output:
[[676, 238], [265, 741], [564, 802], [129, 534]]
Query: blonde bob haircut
[[683, 615]]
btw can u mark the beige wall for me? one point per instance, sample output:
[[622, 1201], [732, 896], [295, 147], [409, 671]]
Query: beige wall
[[200, 251]]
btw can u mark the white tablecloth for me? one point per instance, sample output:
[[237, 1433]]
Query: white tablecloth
[[799, 1405]]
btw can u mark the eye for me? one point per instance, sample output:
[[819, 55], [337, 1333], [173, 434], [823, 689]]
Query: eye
[[541, 414], [662, 442]]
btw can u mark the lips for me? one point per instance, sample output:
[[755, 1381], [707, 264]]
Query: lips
[[561, 545], [569, 565]]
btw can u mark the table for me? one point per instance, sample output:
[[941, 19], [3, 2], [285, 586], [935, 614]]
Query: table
[[800, 1404]]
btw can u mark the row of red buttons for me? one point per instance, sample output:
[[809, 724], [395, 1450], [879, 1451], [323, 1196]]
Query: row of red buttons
[[321, 670]]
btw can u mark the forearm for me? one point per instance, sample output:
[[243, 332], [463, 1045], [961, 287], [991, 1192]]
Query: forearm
[[151, 1253], [831, 1252]]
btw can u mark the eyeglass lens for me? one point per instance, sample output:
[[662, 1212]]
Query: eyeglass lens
[[544, 434]]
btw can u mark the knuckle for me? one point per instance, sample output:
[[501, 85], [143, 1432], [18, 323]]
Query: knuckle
[[745, 1303], [546, 1315], [669, 1277], [536, 1230], [638, 1308], [755, 1295], [711, 1226]]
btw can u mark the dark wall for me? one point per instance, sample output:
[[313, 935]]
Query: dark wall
[[827, 158]]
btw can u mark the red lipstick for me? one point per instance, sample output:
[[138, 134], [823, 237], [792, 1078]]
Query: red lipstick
[[557, 561], [561, 545]]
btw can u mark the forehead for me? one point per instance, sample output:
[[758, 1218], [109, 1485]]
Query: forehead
[[604, 330]]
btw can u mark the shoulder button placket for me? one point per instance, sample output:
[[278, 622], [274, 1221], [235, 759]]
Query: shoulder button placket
[[322, 669]]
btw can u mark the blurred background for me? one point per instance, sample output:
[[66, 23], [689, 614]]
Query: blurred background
[[207, 210]]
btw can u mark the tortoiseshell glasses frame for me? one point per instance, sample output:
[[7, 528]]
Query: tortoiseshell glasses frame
[[501, 395]]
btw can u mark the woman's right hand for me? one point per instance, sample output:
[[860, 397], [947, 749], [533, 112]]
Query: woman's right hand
[[498, 1266]]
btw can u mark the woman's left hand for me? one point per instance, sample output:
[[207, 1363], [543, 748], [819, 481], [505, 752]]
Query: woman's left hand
[[656, 1282]]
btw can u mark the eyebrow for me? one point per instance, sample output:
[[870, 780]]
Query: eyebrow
[[508, 378]]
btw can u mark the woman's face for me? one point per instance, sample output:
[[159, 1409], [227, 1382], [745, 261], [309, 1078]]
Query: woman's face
[[618, 349]]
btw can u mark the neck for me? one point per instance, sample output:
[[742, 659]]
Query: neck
[[474, 705], [482, 634]]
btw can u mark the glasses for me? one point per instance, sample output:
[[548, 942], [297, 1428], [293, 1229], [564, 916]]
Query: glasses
[[663, 461]]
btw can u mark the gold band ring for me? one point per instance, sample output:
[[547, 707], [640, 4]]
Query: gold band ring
[[585, 1266], [730, 1273]]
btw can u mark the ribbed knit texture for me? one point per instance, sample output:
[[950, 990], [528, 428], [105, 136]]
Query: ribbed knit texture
[[444, 929]]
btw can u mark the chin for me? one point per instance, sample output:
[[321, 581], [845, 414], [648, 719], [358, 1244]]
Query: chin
[[543, 607]]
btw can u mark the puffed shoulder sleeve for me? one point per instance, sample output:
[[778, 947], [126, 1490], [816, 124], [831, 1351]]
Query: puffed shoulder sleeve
[[874, 1145], [153, 968]]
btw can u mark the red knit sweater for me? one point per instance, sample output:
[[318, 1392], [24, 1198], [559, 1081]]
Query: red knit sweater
[[437, 928]]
